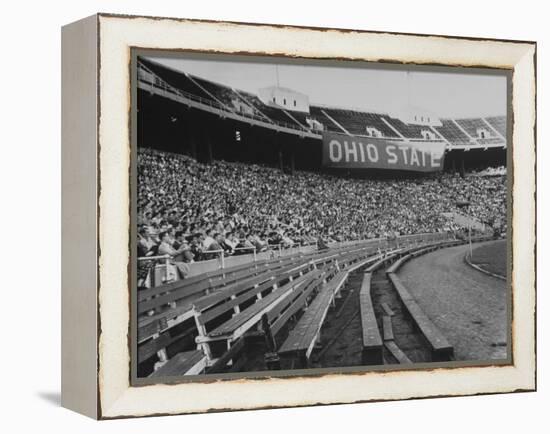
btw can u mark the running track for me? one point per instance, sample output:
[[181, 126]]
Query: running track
[[469, 307]]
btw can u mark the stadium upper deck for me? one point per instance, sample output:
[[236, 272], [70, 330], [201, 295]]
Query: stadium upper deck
[[465, 134]]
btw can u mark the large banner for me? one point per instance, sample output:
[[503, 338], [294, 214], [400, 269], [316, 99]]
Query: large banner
[[353, 152]]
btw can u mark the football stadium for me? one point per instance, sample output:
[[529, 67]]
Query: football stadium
[[274, 233]]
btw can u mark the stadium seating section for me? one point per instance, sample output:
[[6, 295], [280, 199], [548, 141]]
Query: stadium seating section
[[177, 80], [354, 122], [247, 201], [289, 297], [220, 93], [274, 114], [471, 126], [498, 123], [452, 133], [408, 130], [456, 132], [299, 117]]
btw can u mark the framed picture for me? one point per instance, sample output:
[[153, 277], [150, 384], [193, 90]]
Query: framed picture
[[260, 216]]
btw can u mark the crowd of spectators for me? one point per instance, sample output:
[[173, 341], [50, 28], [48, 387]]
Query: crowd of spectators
[[192, 211]]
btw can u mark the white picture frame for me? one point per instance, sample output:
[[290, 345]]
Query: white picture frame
[[96, 378]]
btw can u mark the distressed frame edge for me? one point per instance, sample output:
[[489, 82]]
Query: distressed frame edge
[[317, 28], [79, 183], [111, 412]]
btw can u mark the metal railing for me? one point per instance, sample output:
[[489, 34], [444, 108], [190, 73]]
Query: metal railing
[[253, 248], [156, 259], [153, 258], [282, 249]]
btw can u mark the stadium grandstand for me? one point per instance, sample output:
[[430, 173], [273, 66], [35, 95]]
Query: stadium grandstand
[[248, 240], [178, 102]]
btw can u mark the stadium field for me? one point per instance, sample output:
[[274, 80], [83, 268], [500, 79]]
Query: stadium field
[[491, 257]]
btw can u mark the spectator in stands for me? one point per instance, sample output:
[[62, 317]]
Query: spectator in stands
[[321, 245], [209, 240], [146, 245], [230, 243], [181, 245], [165, 248], [214, 246], [195, 246], [257, 242], [256, 206]]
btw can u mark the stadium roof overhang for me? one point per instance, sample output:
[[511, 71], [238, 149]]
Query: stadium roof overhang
[[206, 106]]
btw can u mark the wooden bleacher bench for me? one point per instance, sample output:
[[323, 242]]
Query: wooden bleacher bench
[[387, 328], [351, 262], [228, 288], [441, 349], [372, 342], [161, 348], [387, 309], [182, 293], [192, 285], [181, 289], [414, 252], [216, 293], [341, 254], [220, 365], [365, 261], [277, 316], [380, 260], [214, 306], [159, 342], [186, 363], [303, 336], [154, 331], [397, 264], [405, 255], [169, 317], [378, 264], [293, 302], [246, 319], [157, 323], [146, 294], [154, 297], [397, 353], [209, 300]]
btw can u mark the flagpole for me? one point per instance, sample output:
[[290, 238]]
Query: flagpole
[[470, 238]]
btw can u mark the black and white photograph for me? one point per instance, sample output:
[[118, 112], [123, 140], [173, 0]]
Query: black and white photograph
[[306, 215], [278, 217]]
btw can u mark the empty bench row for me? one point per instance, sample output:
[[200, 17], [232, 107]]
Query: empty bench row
[[231, 304], [227, 313], [441, 350]]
